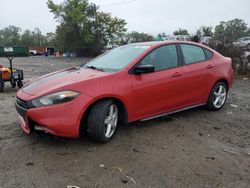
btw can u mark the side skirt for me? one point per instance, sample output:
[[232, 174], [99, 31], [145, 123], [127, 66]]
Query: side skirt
[[173, 112]]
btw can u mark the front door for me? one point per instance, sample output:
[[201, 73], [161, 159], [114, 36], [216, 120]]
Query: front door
[[162, 90]]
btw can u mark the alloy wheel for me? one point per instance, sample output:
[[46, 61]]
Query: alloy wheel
[[111, 121], [219, 98]]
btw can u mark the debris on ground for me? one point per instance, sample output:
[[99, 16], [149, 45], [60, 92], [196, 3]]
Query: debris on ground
[[120, 170], [230, 112], [228, 151], [212, 158], [29, 164], [124, 181], [235, 106], [72, 186], [217, 128]]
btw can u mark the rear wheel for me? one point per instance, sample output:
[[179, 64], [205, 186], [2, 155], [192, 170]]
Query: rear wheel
[[217, 97], [103, 120]]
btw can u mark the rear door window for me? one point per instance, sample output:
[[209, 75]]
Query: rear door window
[[192, 53], [209, 54]]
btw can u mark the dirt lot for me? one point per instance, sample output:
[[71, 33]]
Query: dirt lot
[[195, 148]]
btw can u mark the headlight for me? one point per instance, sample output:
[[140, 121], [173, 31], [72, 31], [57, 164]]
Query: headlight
[[55, 98]]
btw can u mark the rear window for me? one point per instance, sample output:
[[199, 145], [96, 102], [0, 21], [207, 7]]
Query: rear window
[[192, 53], [208, 54]]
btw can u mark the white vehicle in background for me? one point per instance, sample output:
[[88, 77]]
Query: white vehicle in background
[[109, 47], [177, 37], [243, 42], [34, 52], [205, 40]]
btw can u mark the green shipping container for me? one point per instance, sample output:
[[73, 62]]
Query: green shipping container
[[14, 51]]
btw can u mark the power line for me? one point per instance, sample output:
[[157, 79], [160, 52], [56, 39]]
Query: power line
[[120, 3]]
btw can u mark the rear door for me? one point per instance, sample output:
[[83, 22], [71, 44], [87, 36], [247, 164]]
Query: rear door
[[197, 67]]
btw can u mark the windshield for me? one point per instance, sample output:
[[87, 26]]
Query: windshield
[[116, 59]]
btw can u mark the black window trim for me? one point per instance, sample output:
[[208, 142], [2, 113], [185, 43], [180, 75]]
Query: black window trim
[[182, 56], [179, 59], [206, 54]]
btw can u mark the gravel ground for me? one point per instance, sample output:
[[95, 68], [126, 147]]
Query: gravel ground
[[195, 148]]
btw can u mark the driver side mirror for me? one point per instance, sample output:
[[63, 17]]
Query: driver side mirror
[[142, 69]]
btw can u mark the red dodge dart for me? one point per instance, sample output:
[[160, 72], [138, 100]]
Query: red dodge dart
[[133, 82]]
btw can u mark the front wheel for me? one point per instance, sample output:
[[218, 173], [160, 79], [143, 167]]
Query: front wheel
[[103, 120], [217, 97]]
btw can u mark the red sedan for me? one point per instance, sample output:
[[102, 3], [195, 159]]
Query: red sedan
[[129, 83]]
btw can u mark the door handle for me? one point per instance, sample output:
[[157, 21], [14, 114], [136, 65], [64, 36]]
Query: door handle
[[176, 74], [210, 66]]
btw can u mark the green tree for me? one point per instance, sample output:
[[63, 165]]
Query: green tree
[[10, 36], [206, 31], [27, 38], [50, 39], [181, 32], [109, 30], [231, 30], [38, 38], [84, 29]]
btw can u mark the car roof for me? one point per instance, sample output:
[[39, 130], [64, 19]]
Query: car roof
[[156, 44], [160, 43]]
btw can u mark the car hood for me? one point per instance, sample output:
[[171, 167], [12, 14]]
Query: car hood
[[60, 79]]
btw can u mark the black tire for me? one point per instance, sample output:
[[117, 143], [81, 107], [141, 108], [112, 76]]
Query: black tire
[[13, 85], [96, 119], [20, 84], [211, 100], [1, 85]]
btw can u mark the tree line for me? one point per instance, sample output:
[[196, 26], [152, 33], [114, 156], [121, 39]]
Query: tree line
[[84, 29], [225, 32], [13, 36]]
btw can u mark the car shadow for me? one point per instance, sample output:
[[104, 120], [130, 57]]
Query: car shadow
[[168, 118], [85, 141]]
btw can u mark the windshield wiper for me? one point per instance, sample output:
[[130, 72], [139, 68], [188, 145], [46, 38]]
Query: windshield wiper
[[95, 68]]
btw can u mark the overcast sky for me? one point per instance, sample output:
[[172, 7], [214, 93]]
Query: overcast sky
[[150, 16]]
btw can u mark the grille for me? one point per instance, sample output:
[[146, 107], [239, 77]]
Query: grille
[[22, 103]]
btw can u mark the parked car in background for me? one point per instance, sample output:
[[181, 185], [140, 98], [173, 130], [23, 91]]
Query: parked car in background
[[243, 43], [35, 53], [176, 38], [41, 50], [129, 83], [206, 40], [109, 47]]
